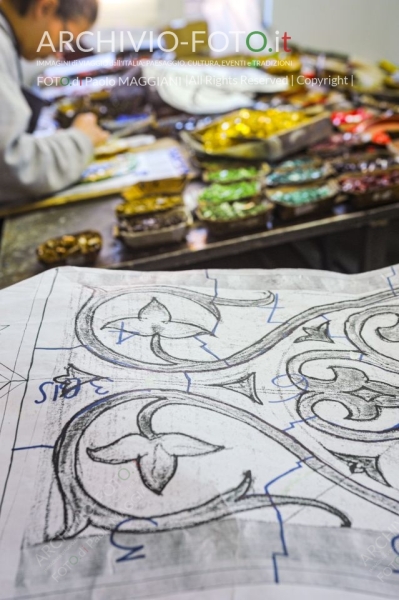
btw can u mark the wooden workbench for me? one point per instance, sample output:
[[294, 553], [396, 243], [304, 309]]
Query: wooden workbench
[[21, 235]]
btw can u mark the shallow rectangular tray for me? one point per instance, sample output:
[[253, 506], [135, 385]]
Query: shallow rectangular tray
[[160, 237], [275, 147], [221, 228], [386, 195], [287, 212]]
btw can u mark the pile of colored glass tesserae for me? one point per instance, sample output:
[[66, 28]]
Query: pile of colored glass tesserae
[[365, 164], [296, 163], [148, 205], [295, 176], [153, 222], [339, 144], [217, 193], [232, 175], [228, 211], [368, 183], [301, 196], [58, 250], [249, 124]]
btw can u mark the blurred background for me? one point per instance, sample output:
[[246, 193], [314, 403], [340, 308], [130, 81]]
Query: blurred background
[[329, 38], [362, 28]]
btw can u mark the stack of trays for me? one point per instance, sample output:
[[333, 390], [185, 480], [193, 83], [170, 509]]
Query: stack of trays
[[153, 214], [300, 188]]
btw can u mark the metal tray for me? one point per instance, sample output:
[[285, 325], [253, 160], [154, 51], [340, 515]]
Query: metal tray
[[222, 228], [326, 172], [275, 147], [378, 196], [160, 237], [287, 212], [263, 170]]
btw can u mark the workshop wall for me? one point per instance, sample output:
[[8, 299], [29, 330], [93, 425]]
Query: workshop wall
[[138, 13], [306, 23]]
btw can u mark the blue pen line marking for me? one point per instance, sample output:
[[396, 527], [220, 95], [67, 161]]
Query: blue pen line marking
[[390, 282], [216, 294], [333, 337], [32, 448], [396, 550], [187, 376], [273, 308], [280, 520], [395, 427], [293, 423], [205, 347], [121, 331], [276, 382], [133, 551]]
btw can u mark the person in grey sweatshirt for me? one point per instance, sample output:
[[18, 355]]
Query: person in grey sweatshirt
[[32, 167]]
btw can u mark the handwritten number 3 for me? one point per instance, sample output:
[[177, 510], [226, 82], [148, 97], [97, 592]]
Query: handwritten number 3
[[98, 389], [55, 388]]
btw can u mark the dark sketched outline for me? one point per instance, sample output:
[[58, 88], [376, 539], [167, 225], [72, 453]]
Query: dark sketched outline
[[67, 455], [85, 330], [77, 500]]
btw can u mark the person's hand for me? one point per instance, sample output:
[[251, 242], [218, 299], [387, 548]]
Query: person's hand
[[87, 123]]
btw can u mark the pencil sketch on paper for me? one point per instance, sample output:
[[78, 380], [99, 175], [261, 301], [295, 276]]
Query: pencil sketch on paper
[[223, 411]]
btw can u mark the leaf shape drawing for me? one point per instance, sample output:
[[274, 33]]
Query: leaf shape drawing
[[127, 448], [157, 468], [155, 312], [155, 319], [178, 330], [132, 326], [156, 457], [184, 445]]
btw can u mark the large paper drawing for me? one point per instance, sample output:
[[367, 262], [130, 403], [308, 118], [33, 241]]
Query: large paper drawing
[[175, 433]]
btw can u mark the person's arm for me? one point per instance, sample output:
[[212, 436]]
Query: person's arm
[[32, 167]]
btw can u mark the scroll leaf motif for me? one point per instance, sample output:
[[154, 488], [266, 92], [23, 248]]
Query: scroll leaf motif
[[390, 334], [155, 319], [363, 464], [365, 400], [75, 378], [156, 457], [155, 312], [316, 334], [157, 469], [245, 386], [127, 448], [185, 445]]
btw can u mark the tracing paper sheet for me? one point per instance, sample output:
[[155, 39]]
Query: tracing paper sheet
[[210, 435]]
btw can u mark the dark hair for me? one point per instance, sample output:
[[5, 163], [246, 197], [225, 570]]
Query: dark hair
[[69, 10]]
